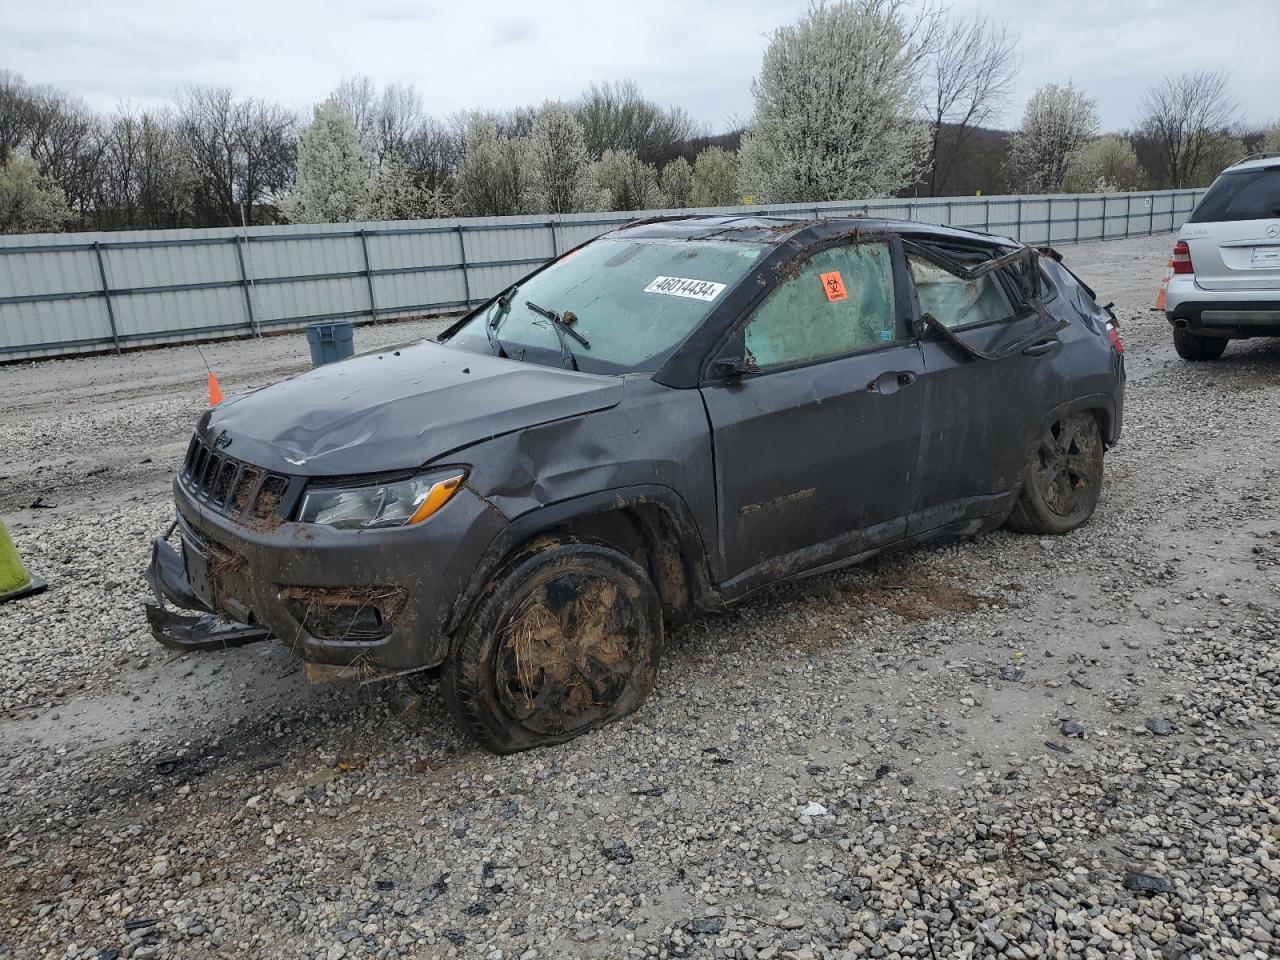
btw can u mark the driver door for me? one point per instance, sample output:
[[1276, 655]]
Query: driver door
[[816, 443]]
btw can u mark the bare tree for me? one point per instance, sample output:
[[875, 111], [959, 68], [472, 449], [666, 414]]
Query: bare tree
[[434, 153], [358, 95], [400, 116], [242, 152], [1186, 115], [15, 112], [65, 139], [118, 187], [615, 115], [166, 177], [970, 68]]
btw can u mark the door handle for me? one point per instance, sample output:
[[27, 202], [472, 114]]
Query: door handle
[[1043, 347], [891, 381]]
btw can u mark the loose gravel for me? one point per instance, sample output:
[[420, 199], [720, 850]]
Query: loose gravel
[[1010, 746]]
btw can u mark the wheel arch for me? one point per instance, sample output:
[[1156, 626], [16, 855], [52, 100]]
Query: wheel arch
[[1102, 406], [650, 523]]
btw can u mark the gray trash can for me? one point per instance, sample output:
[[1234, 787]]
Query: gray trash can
[[331, 340]]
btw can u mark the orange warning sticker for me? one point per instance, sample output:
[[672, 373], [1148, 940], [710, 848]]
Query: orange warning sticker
[[833, 285]]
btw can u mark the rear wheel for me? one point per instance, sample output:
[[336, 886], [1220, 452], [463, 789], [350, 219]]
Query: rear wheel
[[1063, 478], [1192, 346], [567, 637]]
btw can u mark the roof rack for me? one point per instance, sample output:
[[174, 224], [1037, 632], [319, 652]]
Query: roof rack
[[1255, 156]]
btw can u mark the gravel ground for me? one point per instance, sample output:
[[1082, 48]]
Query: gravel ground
[[1002, 747]]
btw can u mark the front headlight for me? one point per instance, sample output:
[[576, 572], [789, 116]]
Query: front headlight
[[395, 503]]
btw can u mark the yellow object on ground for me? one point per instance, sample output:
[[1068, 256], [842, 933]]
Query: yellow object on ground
[[15, 582]]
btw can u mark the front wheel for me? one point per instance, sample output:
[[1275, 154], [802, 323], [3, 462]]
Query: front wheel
[[566, 637], [1192, 346], [1063, 478]]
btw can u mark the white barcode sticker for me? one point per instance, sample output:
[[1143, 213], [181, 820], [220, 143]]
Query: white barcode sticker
[[684, 287]]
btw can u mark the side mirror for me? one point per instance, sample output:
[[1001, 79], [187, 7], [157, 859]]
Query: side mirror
[[734, 368]]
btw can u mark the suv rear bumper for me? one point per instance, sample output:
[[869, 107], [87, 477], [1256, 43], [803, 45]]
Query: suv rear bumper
[[1222, 313]]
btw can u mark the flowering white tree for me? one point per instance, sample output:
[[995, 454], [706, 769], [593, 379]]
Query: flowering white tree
[[629, 183], [559, 167], [395, 194], [492, 177], [1104, 165], [28, 204], [834, 106], [1271, 138], [715, 179], [333, 174], [676, 182], [1057, 122]]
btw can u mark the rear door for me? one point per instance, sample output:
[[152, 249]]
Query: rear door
[[816, 449], [1234, 232], [981, 416]]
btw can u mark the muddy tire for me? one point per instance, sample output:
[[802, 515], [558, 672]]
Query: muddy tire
[[1063, 478], [1191, 346], [567, 636]]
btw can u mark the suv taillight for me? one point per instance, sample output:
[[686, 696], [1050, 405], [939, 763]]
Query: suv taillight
[[1113, 334], [1182, 258]]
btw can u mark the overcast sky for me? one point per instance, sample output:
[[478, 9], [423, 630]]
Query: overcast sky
[[700, 54]]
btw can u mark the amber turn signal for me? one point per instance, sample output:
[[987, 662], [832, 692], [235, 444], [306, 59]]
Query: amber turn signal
[[436, 498]]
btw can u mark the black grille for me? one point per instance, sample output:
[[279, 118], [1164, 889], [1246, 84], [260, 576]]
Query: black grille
[[231, 486]]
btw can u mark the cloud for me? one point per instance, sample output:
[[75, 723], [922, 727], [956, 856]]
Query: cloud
[[514, 31], [698, 54]]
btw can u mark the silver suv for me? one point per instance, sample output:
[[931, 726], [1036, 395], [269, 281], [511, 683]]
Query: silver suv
[[1225, 283]]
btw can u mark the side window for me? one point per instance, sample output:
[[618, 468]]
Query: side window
[[840, 300], [955, 302]]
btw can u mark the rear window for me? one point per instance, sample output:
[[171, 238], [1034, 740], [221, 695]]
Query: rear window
[[1247, 195]]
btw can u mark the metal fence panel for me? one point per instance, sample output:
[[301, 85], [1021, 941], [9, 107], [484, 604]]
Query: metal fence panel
[[62, 294]]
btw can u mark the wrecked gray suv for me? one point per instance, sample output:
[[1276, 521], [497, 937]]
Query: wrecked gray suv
[[662, 421]]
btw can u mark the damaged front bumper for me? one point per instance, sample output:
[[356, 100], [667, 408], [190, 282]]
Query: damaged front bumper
[[375, 600], [167, 577]]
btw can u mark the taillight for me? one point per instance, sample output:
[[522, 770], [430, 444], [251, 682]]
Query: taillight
[[1182, 258], [1114, 336]]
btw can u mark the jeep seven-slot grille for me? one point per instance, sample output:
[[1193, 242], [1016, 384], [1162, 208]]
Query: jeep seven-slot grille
[[231, 486]]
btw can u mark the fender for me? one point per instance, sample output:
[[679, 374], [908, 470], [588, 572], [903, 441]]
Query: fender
[[1103, 402], [528, 525]]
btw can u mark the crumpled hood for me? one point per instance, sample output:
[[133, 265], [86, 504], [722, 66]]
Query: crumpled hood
[[399, 409]]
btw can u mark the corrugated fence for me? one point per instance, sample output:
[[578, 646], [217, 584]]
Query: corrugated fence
[[63, 294]]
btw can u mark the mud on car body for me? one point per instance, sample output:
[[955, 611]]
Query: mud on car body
[[662, 421]]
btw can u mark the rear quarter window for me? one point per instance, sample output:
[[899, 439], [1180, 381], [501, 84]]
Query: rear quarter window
[[1245, 195]]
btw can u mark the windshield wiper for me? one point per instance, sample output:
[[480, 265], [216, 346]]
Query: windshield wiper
[[491, 326], [563, 331]]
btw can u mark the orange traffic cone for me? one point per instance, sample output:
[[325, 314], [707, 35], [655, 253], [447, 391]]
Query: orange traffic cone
[[1164, 286], [215, 391]]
